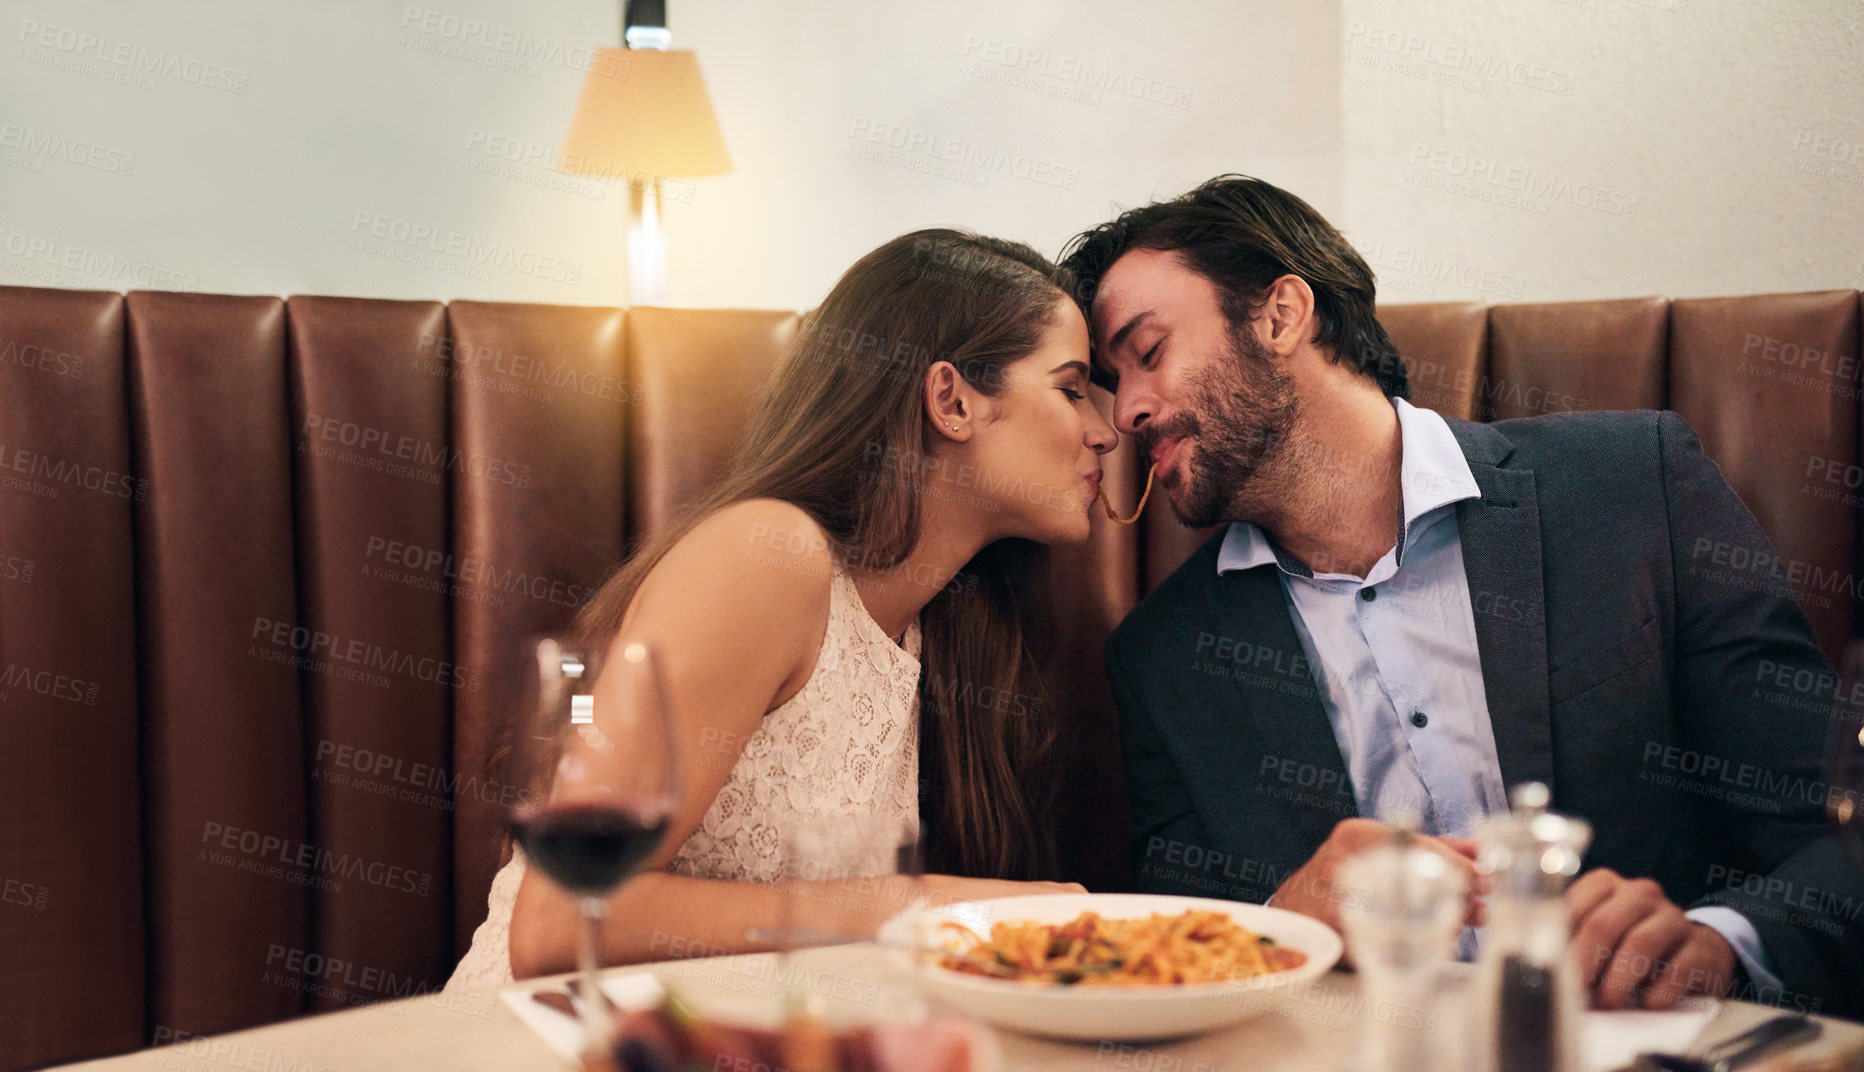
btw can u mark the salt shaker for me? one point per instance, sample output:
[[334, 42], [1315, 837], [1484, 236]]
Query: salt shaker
[[1402, 909]]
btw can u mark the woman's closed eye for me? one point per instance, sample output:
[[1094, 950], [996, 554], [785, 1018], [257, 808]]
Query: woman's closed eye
[[1073, 395]]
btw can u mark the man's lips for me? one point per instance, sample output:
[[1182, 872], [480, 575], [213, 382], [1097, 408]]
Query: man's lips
[[1164, 451]]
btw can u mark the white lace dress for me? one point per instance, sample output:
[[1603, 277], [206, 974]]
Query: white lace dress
[[845, 745]]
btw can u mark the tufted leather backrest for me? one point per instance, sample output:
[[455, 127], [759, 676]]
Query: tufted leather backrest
[[222, 715], [1771, 385], [72, 857], [1444, 345], [538, 490], [369, 440], [693, 377], [266, 568], [1576, 356]]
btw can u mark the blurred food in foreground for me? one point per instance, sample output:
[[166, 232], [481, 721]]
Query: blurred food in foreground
[[673, 1037]]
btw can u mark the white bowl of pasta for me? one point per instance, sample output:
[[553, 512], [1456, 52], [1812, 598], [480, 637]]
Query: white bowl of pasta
[[1112, 966]]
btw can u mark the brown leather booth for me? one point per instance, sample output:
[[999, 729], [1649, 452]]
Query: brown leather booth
[[264, 565]]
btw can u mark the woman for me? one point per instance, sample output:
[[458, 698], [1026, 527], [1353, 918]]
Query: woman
[[828, 615]]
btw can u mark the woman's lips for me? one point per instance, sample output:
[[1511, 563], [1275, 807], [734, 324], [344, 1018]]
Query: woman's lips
[[1093, 486]]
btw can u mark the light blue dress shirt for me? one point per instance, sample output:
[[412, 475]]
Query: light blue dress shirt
[[1397, 666]]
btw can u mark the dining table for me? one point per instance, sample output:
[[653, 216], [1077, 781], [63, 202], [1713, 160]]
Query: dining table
[[1316, 1027]]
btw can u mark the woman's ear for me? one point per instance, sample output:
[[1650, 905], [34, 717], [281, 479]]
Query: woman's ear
[[948, 401]]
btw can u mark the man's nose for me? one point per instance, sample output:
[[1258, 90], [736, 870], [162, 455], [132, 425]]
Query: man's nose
[[1131, 410]]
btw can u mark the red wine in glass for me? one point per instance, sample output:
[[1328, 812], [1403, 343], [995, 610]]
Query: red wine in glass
[[587, 848], [602, 781]]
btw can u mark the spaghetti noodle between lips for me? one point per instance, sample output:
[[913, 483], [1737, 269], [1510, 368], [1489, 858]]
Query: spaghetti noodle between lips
[[1197, 946], [1107, 504]]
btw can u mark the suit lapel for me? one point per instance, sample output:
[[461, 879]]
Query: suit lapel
[[1502, 560], [1300, 759]]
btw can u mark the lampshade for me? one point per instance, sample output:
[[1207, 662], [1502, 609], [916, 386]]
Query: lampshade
[[644, 111]]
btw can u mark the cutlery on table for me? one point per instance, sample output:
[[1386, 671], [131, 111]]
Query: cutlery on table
[[1735, 1052], [555, 999], [564, 1002]]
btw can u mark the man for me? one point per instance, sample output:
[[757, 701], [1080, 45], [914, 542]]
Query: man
[[1411, 614]]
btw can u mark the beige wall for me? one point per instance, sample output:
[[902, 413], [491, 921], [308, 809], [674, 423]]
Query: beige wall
[[841, 118], [333, 148], [273, 138], [1566, 149], [1534, 149]]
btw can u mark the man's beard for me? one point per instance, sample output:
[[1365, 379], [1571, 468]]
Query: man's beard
[[1239, 415]]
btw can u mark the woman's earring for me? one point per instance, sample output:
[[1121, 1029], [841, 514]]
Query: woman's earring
[[954, 427]]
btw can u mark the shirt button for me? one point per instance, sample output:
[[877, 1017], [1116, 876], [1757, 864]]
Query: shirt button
[[1420, 719], [1368, 594]]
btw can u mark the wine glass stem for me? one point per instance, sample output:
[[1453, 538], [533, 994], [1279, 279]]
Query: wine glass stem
[[596, 1023]]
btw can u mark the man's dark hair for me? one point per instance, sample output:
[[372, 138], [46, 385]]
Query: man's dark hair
[[1242, 234]]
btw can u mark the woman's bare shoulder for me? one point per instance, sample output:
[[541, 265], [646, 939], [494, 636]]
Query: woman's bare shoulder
[[754, 574], [771, 535]]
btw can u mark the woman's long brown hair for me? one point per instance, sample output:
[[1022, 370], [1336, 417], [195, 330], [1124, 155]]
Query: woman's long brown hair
[[842, 432]]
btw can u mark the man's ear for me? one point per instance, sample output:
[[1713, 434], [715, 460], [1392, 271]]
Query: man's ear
[[948, 401], [1289, 307]]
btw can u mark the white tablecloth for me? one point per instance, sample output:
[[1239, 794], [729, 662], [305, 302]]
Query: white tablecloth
[[475, 1030]]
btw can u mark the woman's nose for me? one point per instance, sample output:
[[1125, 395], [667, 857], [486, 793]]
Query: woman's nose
[[1101, 436]]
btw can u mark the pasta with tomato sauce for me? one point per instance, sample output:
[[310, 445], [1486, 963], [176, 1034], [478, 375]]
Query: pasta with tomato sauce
[[1197, 946]]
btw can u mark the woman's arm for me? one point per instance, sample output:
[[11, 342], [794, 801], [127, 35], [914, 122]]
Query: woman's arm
[[663, 916], [738, 609]]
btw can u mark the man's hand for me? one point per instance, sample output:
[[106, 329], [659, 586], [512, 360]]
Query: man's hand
[[1314, 891], [1634, 947]]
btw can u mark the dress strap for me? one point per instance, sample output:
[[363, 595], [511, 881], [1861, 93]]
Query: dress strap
[[843, 591]]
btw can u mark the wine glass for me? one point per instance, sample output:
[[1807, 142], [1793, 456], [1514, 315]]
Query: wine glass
[[868, 862], [602, 785], [1402, 912]]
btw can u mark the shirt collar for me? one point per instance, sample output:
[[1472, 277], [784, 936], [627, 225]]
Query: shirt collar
[[1433, 472]]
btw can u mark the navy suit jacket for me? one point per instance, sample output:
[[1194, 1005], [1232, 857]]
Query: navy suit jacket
[[1641, 654]]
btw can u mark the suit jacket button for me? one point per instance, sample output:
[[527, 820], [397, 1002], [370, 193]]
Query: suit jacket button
[[1420, 719]]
